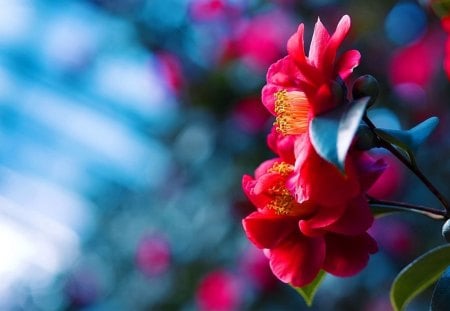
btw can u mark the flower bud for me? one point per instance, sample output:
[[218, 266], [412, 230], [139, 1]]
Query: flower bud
[[365, 138], [446, 230], [364, 86]]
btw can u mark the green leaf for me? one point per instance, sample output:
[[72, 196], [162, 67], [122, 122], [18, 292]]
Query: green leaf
[[332, 132], [440, 301], [419, 275], [441, 7], [408, 141], [309, 291]]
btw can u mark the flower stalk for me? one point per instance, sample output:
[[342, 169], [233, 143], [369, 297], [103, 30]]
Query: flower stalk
[[413, 168]]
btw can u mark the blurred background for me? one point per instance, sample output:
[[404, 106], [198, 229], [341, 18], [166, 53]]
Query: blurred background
[[126, 126]]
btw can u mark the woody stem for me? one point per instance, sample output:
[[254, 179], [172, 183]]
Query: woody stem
[[388, 146]]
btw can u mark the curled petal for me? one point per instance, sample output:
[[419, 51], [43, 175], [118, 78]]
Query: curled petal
[[295, 45], [264, 167], [320, 181], [282, 145], [319, 42], [298, 259], [347, 62], [266, 231], [357, 218], [369, 170], [259, 201], [348, 255], [335, 41], [323, 217]]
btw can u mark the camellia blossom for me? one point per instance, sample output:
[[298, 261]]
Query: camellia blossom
[[298, 238], [310, 216]]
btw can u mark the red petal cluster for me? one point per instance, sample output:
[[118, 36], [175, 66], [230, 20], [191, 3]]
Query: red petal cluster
[[309, 216]]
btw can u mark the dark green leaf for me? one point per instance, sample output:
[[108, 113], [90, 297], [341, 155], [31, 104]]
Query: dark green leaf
[[332, 132], [408, 141], [440, 301], [441, 7], [308, 292], [418, 276]]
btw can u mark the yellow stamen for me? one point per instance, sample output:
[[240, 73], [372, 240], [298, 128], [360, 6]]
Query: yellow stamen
[[291, 109], [283, 202], [283, 168]]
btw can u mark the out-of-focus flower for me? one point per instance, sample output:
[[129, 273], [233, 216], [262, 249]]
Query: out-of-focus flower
[[260, 40], [394, 237], [153, 255], [83, 288], [204, 10], [219, 290], [250, 116], [308, 212], [446, 26], [391, 181], [171, 71], [417, 63], [254, 266]]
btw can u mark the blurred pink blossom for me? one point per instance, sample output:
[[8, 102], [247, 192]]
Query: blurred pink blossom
[[254, 266], [171, 71], [261, 40], [153, 255], [219, 290], [250, 115], [446, 26], [394, 237], [391, 181], [417, 63], [204, 10]]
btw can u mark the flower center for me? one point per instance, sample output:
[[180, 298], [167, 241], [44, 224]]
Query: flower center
[[283, 202], [283, 168], [291, 109]]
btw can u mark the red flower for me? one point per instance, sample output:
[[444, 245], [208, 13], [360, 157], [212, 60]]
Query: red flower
[[299, 86], [309, 215], [299, 238]]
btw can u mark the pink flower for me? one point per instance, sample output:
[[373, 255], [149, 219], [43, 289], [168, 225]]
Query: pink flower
[[299, 86], [300, 239], [446, 26], [153, 255], [250, 116], [219, 291], [259, 41], [310, 216]]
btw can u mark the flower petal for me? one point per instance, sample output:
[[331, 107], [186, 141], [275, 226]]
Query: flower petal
[[266, 231], [345, 255], [323, 217], [318, 45], [347, 62], [337, 38], [298, 259], [316, 177], [295, 45], [356, 219], [282, 145], [368, 169]]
